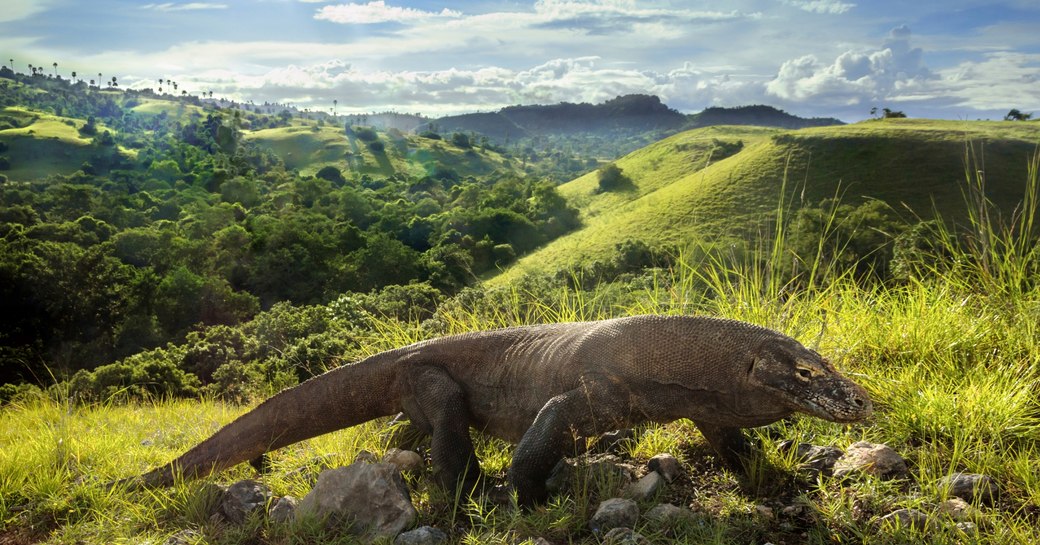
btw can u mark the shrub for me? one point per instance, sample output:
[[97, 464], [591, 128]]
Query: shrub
[[612, 178], [366, 134], [377, 147], [5, 162]]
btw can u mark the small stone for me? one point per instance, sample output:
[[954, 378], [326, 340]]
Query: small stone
[[970, 486], [283, 510], [183, 537], [405, 460], [242, 499], [645, 488], [792, 510], [957, 509], [666, 465], [367, 457], [624, 536], [872, 459], [425, 535], [764, 511], [668, 515], [967, 528], [906, 518], [614, 513]]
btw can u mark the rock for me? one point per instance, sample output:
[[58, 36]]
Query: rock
[[367, 457], [906, 518], [669, 515], [283, 510], [425, 535], [242, 499], [184, 537], [666, 465], [764, 511], [872, 459], [792, 510], [603, 467], [970, 486], [614, 513], [371, 497], [967, 528], [624, 536], [405, 460], [957, 509], [645, 488], [815, 459]]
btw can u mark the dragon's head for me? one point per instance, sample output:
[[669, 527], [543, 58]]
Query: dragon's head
[[805, 381]]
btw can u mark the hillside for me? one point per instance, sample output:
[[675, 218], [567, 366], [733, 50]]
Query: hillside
[[624, 115], [308, 147], [682, 191], [758, 115]]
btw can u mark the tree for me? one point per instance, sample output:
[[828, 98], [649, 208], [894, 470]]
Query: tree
[[891, 114], [1016, 115], [612, 178], [55, 69]]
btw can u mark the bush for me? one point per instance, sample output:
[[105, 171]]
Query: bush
[[377, 147], [366, 134], [141, 376], [5, 163], [612, 178]]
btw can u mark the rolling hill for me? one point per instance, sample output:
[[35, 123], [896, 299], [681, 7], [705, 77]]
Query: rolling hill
[[308, 147], [724, 181]]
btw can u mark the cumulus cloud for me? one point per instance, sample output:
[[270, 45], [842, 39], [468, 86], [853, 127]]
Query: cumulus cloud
[[828, 7], [854, 77], [378, 12], [189, 6]]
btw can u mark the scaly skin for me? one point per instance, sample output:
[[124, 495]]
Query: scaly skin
[[542, 386]]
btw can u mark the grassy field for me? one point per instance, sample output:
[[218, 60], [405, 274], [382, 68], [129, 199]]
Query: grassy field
[[951, 359], [308, 147], [42, 144], [682, 190]]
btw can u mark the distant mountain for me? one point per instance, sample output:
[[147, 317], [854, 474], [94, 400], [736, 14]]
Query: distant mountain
[[624, 115], [758, 115]]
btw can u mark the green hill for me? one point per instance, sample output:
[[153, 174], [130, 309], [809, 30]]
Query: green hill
[[38, 145], [717, 182], [308, 147]]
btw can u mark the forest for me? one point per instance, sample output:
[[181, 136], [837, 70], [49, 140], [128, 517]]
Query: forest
[[174, 223]]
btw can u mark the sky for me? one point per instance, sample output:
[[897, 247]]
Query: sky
[[951, 59]]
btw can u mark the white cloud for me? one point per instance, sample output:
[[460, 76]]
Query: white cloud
[[190, 6], [16, 10], [854, 77], [378, 12], [827, 7]]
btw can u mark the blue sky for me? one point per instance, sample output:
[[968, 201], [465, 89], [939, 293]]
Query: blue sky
[[953, 59]]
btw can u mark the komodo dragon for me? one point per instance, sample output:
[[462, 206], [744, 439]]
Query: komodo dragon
[[545, 385]]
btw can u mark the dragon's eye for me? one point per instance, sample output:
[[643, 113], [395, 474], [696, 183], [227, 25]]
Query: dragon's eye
[[804, 373]]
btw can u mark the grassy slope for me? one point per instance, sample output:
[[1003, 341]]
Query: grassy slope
[[304, 148], [45, 145], [680, 196]]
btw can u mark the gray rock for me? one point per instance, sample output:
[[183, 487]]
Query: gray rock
[[405, 460], [283, 510], [624, 536], [372, 498], [668, 515], [425, 535], [242, 499], [906, 518], [614, 513], [815, 459], [666, 465], [603, 468], [183, 537], [871, 459], [957, 509], [645, 488], [970, 486], [367, 457], [967, 528]]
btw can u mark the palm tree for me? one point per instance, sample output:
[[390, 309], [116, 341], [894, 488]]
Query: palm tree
[[335, 104], [99, 80], [114, 84], [55, 69], [74, 76]]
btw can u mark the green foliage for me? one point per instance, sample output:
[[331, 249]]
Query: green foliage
[[611, 178]]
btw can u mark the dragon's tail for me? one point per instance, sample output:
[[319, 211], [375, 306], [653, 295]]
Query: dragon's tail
[[338, 399]]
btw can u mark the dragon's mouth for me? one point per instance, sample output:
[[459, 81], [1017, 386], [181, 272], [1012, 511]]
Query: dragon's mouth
[[837, 411]]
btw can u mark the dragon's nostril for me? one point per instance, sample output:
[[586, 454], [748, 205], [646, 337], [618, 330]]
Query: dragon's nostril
[[858, 401]]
